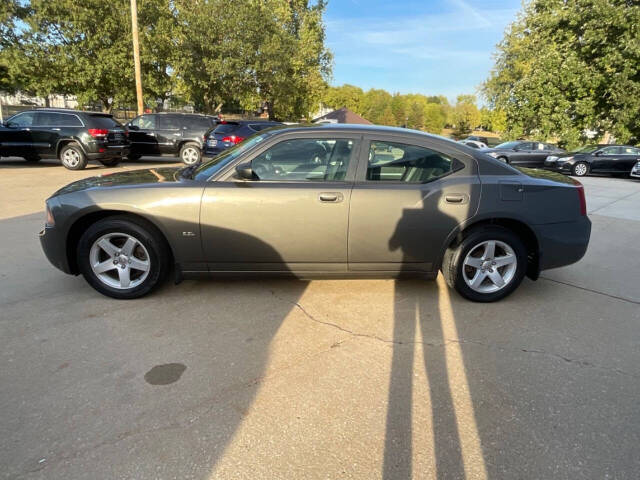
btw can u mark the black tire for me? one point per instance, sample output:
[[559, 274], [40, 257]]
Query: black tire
[[110, 162], [133, 157], [452, 264], [147, 236], [190, 153], [580, 171], [72, 157]]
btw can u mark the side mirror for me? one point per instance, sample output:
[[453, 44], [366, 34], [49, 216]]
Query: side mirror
[[132, 127], [598, 153], [244, 171]]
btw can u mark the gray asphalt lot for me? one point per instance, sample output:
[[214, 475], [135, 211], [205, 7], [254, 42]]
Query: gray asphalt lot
[[325, 379]]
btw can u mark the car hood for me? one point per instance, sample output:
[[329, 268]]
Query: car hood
[[134, 177]]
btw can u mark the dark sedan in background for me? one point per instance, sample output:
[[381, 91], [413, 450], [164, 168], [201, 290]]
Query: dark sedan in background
[[229, 133], [523, 153], [611, 159], [318, 201]]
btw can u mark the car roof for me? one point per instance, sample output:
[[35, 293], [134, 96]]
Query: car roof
[[67, 110]]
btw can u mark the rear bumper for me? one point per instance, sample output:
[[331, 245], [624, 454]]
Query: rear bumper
[[54, 247], [563, 243], [111, 151]]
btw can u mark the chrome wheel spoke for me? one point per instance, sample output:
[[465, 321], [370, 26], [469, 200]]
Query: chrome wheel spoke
[[124, 274], [505, 260], [104, 266], [496, 278], [108, 247], [489, 249], [128, 246], [474, 262], [137, 264], [477, 279]]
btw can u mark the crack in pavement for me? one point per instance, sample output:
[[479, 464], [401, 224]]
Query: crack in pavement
[[624, 299], [574, 361]]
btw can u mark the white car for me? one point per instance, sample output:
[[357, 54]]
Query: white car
[[473, 143], [635, 171]]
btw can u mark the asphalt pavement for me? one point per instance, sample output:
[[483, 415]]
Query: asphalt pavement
[[331, 379]]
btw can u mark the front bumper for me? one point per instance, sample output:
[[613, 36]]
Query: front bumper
[[563, 243], [635, 171], [54, 247]]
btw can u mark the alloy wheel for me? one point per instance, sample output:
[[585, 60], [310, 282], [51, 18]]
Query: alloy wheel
[[190, 156], [119, 260], [71, 158], [489, 266], [580, 169]]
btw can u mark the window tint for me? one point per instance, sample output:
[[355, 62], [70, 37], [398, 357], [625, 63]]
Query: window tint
[[630, 151], [22, 119], [226, 127], [104, 121], [147, 122], [610, 151], [309, 159], [197, 123], [525, 146], [398, 162], [52, 119], [169, 122], [260, 126]]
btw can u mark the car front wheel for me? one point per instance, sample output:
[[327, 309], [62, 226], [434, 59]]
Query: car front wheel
[[190, 153], [580, 169], [122, 258], [487, 265]]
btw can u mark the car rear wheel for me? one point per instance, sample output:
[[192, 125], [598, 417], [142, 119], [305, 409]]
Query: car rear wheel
[[487, 265], [580, 169], [110, 162], [190, 153], [121, 258], [72, 157]]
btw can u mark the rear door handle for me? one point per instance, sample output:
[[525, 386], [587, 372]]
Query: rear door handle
[[457, 198], [56, 129], [330, 197]]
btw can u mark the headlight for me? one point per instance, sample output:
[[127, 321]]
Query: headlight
[[50, 220]]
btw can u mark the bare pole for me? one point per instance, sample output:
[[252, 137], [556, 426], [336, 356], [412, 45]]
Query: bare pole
[[136, 55]]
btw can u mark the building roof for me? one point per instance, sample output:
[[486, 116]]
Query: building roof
[[344, 115]]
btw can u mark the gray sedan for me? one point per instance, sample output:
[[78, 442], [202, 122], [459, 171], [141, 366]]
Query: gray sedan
[[322, 201]]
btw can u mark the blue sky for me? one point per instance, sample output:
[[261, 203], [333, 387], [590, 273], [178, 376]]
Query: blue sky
[[432, 46]]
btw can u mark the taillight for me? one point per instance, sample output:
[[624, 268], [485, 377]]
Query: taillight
[[98, 132], [233, 139], [582, 200]]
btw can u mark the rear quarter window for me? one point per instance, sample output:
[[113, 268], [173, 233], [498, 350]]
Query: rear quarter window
[[104, 121], [226, 128]]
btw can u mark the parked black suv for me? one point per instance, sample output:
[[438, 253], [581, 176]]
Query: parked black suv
[[72, 136], [169, 134], [227, 134]]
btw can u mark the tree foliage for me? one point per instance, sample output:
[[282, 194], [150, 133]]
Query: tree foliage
[[567, 66], [417, 111], [205, 51]]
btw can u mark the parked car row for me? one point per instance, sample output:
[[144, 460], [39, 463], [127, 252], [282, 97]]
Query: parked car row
[[76, 137], [622, 160]]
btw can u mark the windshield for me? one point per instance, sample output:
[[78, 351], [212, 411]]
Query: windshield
[[508, 145], [588, 149], [204, 171]]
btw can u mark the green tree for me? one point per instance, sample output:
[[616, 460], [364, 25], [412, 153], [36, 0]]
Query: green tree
[[465, 115], [435, 117], [567, 66], [345, 95]]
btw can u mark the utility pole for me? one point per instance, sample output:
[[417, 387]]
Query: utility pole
[[136, 55]]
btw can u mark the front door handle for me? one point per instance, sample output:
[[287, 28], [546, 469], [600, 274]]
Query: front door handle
[[330, 197], [456, 198]]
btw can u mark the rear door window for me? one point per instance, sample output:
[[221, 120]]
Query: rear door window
[[399, 162], [169, 122], [144, 122], [198, 123]]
